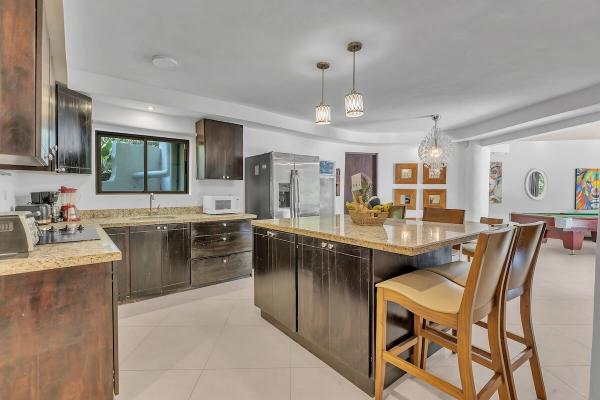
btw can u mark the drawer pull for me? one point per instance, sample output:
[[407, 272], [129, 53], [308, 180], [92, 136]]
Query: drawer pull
[[224, 238], [323, 244], [224, 223], [330, 246], [224, 261]]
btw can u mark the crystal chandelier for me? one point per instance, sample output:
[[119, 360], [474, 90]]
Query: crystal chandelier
[[436, 148], [322, 111], [354, 100]]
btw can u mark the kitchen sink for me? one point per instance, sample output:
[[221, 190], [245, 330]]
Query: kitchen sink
[[159, 217]]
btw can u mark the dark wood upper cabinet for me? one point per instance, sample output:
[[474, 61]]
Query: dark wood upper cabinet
[[29, 63], [73, 131], [219, 150]]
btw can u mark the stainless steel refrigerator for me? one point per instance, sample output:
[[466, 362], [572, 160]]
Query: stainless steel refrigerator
[[281, 185]]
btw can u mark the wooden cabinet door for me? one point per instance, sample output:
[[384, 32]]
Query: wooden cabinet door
[[263, 280], [349, 286], [176, 257], [146, 260], [17, 81], [313, 290], [120, 237], [234, 153], [216, 136], [74, 131], [283, 269]]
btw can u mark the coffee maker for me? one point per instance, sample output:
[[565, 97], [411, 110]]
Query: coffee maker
[[50, 198]]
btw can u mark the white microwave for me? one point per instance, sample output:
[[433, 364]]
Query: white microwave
[[221, 204]]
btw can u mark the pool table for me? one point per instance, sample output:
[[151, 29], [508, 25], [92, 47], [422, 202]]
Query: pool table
[[571, 228]]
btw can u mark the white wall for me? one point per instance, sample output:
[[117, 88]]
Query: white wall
[[7, 191], [558, 159], [257, 140]]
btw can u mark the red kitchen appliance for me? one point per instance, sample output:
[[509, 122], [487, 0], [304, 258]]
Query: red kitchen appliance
[[68, 197]]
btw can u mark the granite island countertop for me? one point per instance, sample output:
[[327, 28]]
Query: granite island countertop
[[408, 237], [63, 255]]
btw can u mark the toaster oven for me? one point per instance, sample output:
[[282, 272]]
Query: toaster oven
[[18, 233]]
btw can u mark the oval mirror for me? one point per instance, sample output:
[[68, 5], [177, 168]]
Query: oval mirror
[[535, 184]]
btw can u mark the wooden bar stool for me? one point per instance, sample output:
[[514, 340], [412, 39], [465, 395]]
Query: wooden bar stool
[[432, 297], [528, 240], [468, 249]]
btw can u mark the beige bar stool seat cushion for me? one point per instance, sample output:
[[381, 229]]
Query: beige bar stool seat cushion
[[457, 271], [427, 289]]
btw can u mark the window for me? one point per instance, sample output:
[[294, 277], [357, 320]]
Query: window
[[140, 164]]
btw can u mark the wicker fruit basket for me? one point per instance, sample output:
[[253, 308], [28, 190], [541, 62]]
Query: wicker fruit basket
[[368, 217]]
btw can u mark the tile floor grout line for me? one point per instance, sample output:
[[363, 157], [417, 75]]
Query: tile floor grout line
[[564, 381], [136, 346]]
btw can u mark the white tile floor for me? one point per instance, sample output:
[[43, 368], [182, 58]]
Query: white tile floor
[[211, 343]]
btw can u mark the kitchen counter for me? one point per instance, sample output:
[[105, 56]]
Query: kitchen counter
[[120, 221], [407, 237], [63, 255]]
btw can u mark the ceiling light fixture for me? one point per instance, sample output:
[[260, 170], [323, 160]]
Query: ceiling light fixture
[[150, 108], [322, 111], [354, 100], [436, 147], [164, 62]]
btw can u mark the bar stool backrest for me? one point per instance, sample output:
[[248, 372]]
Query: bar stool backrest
[[528, 240], [444, 215], [488, 270]]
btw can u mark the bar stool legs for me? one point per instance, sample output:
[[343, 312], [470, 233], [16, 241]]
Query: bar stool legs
[[380, 343], [529, 338]]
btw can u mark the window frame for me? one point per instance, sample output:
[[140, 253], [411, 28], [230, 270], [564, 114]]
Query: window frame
[[145, 138]]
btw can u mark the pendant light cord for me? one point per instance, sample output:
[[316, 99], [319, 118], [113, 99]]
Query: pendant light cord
[[322, 86], [353, 70]]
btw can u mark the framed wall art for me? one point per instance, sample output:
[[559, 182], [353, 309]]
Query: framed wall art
[[431, 176], [587, 188], [406, 198], [406, 173], [434, 198], [495, 182]]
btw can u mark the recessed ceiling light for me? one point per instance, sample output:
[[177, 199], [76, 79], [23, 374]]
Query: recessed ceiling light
[[164, 62], [150, 108]]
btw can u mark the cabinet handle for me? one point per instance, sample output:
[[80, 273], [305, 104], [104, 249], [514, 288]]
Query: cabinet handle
[[330, 246], [223, 176], [323, 244], [224, 261], [224, 238], [158, 227], [224, 223], [271, 234], [228, 177]]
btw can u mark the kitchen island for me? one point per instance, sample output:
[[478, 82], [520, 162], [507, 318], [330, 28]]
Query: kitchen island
[[314, 279]]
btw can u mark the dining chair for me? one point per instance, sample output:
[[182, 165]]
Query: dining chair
[[444, 215], [433, 298], [468, 249]]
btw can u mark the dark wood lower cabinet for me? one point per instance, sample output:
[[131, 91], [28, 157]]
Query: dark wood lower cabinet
[[120, 237], [58, 332], [145, 244], [206, 271], [176, 257], [334, 290]]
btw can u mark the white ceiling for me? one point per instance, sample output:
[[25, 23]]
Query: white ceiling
[[469, 60], [582, 132]]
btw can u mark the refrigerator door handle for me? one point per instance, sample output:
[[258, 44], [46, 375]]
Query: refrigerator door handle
[[292, 195], [297, 192]]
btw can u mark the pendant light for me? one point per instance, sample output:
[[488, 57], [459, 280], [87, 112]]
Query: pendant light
[[354, 100], [436, 147], [322, 111]]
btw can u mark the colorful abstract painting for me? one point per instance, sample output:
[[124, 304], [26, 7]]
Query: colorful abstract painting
[[495, 182], [587, 188]]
